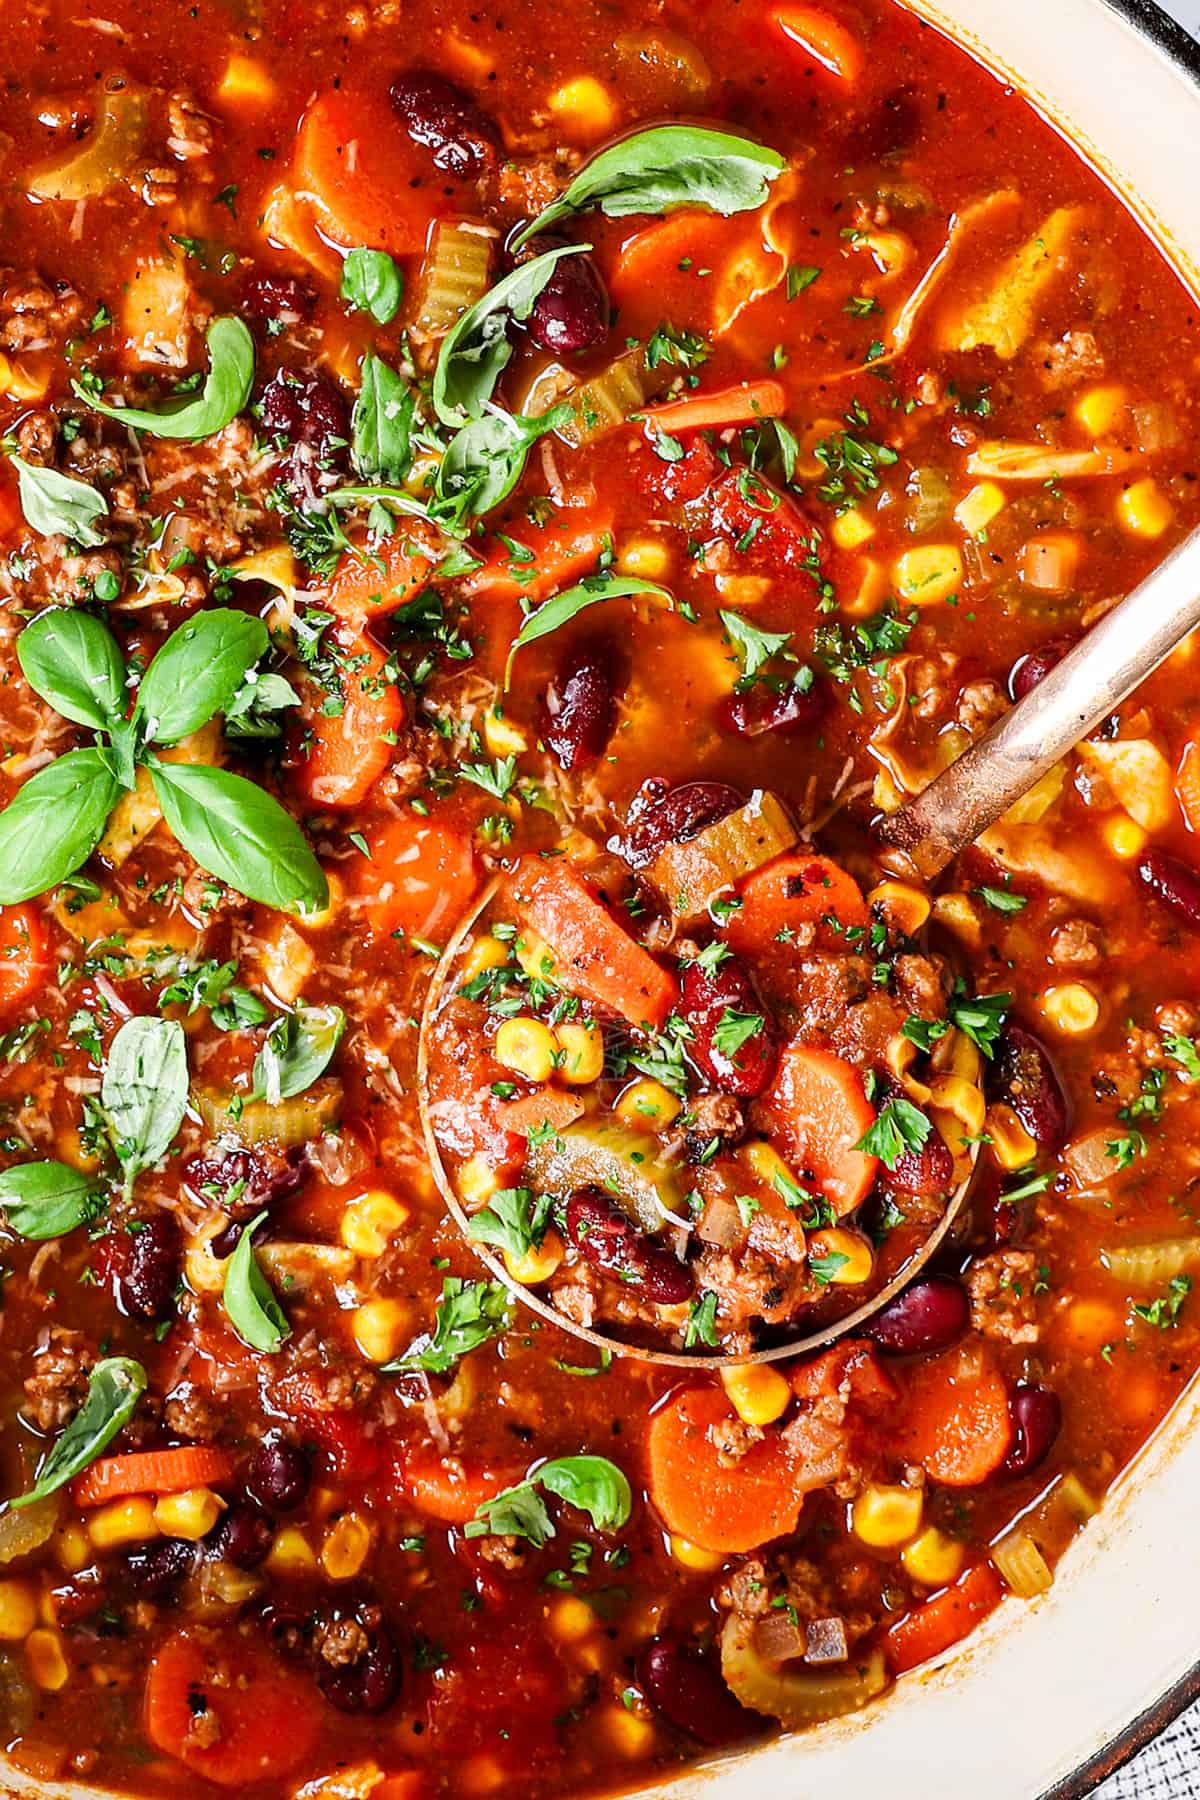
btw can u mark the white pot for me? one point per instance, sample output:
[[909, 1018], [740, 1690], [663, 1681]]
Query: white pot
[[1048, 1696]]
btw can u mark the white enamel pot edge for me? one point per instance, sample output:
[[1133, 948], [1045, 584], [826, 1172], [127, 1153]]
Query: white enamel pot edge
[[1048, 1696]]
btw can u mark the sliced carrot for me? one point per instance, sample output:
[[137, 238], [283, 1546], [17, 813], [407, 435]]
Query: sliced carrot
[[547, 557], [447, 1489], [737, 405], [361, 175], [594, 956], [1187, 782], [370, 584], [932, 1629], [727, 1510], [265, 1718], [852, 1363], [153, 1472], [343, 752], [954, 1417], [817, 1110], [795, 890], [24, 954], [420, 877], [819, 34]]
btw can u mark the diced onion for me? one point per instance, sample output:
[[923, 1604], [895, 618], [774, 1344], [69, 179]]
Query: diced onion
[[106, 154], [23, 1532], [1151, 1265]]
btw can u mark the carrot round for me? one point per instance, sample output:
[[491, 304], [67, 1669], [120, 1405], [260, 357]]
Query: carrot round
[[820, 35], [932, 1629], [547, 558], [420, 877], [153, 1472], [726, 1510], [345, 750], [594, 956], [738, 405], [954, 1418], [24, 954], [449, 1491], [265, 1720], [791, 891], [357, 170], [377, 582], [817, 1111]]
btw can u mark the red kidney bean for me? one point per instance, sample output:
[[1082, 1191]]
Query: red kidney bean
[[268, 297], [661, 815], [571, 312], [1028, 670], [762, 709], [146, 1269], [608, 1239], [152, 1570], [1172, 881], [1037, 1421], [310, 413], [80, 1598], [707, 1002], [577, 712], [242, 1182], [437, 115], [930, 1315], [686, 1687], [370, 1683], [243, 1537], [279, 1475], [1024, 1075]]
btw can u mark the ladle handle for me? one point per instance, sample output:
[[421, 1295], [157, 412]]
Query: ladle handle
[[1117, 655]]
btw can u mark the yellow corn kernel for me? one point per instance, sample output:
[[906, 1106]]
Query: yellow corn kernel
[[477, 1182], [857, 1256], [691, 1556], [345, 1547], [502, 736], [47, 1664], [380, 1327], [23, 380], [582, 1051], [976, 510], [189, 1515], [645, 556], [928, 574], [886, 1517], [291, 1553], [628, 1733], [469, 59], [585, 106], [933, 1559], [123, 1522], [1088, 1325], [891, 251], [571, 1619], [1071, 1008], [1144, 510], [648, 1104], [758, 1393], [371, 1220], [288, 961], [246, 80], [534, 955], [885, 794], [765, 1162], [527, 1047], [904, 906], [852, 530], [18, 1611], [1012, 1145], [538, 1263], [1124, 837], [485, 953], [72, 1550], [959, 914], [321, 916], [482, 1773], [874, 585], [1101, 410], [955, 1094]]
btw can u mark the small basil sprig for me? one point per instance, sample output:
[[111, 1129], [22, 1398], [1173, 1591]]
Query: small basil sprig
[[666, 167], [382, 424], [47, 1199], [114, 1389], [254, 1312], [372, 283], [144, 1092], [54, 503], [230, 826], [592, 1483], [574, 600], [484, 463], [476, 350], [194, 416], [298, 1049]]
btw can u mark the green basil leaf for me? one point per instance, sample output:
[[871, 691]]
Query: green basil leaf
[[255, 708], [593, 1484], [54, 824], [144, 1092], [254, 1312], [514, 1512], [484, 462], [197, 673], [114, 1389], [298, 1050], [48, 1199], [382, 424], [666, 167], [476, 349], [193, 416], [372, 283], [72, 661], [58, 503], [373, 494], [241, 835], [572, 601]]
